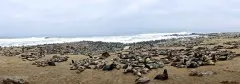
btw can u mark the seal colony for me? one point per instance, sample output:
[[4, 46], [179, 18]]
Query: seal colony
[[137, 59]]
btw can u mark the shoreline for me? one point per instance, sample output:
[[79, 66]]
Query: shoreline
[[44, 39], [112, 39]]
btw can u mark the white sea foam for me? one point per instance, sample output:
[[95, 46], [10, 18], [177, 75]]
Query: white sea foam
[[6, 42]]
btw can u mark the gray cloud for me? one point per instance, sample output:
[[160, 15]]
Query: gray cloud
[[108, 17]]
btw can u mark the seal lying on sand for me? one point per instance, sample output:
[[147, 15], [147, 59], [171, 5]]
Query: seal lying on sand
[[14, 81], [109, 67], [142, 80], [163, 76]]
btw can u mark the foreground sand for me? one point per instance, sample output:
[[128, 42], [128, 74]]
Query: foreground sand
[[60, 74]]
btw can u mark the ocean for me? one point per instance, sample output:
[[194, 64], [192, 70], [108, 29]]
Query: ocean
[[7, 42]]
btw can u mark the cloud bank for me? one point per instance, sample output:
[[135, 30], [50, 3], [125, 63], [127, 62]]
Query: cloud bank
[[116, 17]]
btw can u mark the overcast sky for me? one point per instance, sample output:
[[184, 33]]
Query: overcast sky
[[116, 17]]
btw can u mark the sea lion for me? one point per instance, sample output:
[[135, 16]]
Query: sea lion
[[142, 80], [163, 76]]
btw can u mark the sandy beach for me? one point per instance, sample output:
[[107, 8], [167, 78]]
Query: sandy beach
[[228, 70]]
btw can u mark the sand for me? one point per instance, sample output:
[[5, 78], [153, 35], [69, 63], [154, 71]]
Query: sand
[[61, 73]]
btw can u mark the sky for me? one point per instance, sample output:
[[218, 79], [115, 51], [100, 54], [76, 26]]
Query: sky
[[19, 18]]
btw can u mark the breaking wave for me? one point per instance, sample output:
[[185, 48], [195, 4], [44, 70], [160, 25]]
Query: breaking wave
[[6, 42]]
